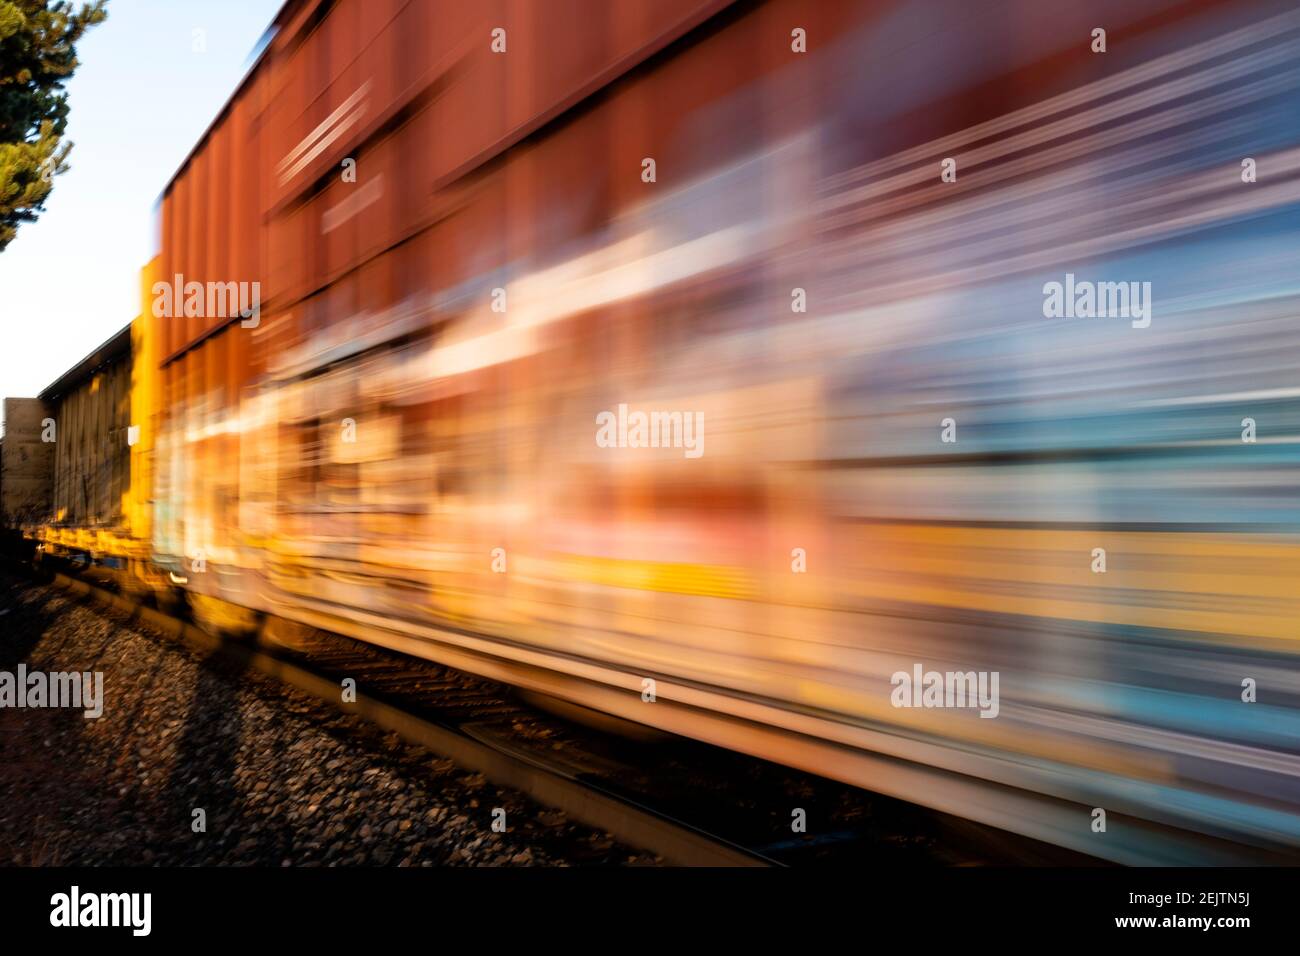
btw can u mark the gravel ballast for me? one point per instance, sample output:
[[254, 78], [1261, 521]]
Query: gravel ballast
[[281, 779]]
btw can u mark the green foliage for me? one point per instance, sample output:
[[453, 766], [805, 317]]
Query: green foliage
[[37, 56]]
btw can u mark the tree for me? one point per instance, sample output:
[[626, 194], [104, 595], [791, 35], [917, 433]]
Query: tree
[[37, 56]]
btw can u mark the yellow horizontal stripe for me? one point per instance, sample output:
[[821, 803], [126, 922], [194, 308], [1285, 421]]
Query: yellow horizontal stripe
[[672, 577]]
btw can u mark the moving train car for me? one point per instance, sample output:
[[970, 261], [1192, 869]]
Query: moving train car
[[731, 369], [65, 463]]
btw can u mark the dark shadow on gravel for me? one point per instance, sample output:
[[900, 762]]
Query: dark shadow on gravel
[[22, 623], [208, 756], [26, 620], [206, 761]]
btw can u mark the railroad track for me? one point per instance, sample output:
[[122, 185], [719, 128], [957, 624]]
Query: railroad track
[[394, 694], [688, 803]]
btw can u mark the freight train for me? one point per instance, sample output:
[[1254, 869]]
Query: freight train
[[1030, 563]]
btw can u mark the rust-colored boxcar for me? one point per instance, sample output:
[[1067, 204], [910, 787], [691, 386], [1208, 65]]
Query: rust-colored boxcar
[[427, 246]]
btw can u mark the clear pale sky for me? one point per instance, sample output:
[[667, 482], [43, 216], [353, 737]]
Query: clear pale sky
[[140, 99]]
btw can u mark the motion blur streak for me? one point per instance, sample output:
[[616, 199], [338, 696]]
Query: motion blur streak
[[424, 384]]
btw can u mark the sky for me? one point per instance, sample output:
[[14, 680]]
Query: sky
[[141, 98]]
